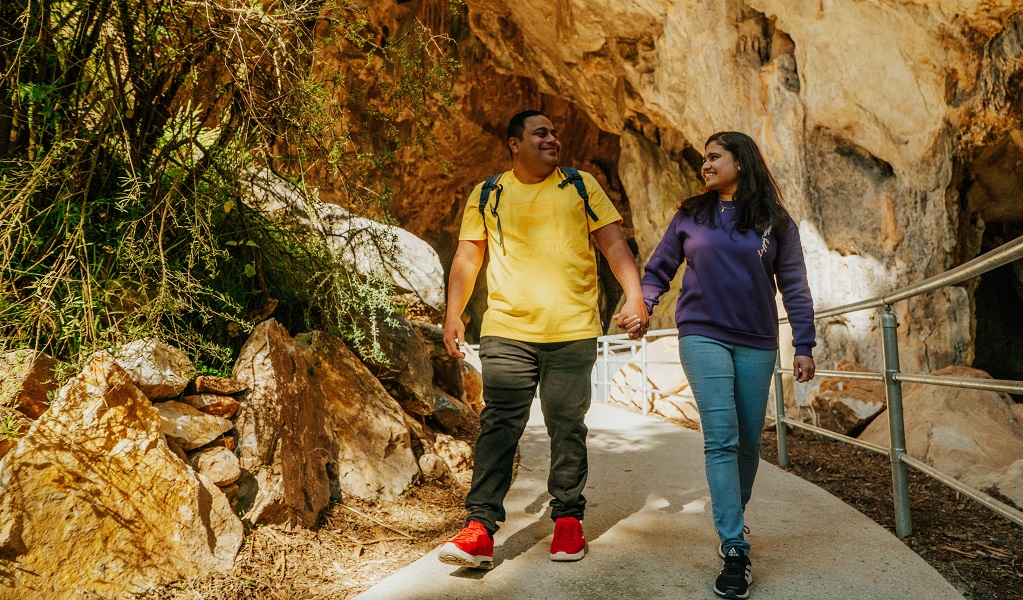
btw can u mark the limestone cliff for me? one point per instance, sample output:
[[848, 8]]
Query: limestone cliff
[[893, 128]]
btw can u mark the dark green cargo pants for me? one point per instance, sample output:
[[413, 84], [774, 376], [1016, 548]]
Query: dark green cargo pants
[[511, 372]]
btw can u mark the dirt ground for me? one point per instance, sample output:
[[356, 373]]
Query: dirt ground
[[361, 542], [979, 552]]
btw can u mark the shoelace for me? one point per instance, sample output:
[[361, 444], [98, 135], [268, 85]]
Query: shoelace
[[567, 532], [735, 565], [469, 534]]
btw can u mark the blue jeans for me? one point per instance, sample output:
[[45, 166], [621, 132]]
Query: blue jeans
[[730, 384]]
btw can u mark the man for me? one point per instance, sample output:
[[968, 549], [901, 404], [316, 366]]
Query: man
[[540, 328]]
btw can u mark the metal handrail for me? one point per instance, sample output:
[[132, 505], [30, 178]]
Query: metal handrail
[[892, 377]]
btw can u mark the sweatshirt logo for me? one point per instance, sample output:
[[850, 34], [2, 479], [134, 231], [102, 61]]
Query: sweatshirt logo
[[764, 241]]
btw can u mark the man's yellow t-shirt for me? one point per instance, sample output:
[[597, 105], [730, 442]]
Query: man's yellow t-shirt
[[542, 281]]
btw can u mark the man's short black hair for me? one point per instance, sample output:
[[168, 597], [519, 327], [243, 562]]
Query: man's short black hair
[[517, 125]]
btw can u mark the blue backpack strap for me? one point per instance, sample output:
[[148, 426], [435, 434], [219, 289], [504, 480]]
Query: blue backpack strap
[[572, 175], [488, 185]]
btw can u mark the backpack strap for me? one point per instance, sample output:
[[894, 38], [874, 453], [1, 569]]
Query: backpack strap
[[572, 175], [488, 185]]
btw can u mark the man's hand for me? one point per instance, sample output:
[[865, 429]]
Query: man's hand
[[633, 319], [803, 368], [454, 337]]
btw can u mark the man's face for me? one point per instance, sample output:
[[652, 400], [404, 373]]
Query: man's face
[[539, 146]]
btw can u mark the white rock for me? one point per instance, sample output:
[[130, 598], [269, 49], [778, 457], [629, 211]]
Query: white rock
[[189, 427], [93, 484], [219, 465], [456, 453], [159, 370], [434, 468]]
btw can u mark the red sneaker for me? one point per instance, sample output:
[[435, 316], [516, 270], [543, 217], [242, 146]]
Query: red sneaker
[[569, 543], [473, 547]]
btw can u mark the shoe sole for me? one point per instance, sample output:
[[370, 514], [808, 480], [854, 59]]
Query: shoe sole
[[566, 557], [732, 593], [452, 555]]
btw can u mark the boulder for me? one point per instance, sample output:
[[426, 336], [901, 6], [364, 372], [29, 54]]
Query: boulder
[[282, 432], [448, 411], [27, 381], [408, 373], [472, 383], [218, 406], [968, 434], [680, 408], [631, 377], [217, 464], [664, 367], [456, 453], [373, 456], [365, 245], [447, 370], [94, 485], [220, 386], [314, 419], [159, 370], [1010, 484], [847, 405], [17, 425], [188, 427], [434, 468]]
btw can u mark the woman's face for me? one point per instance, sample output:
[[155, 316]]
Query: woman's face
[[720, 171]]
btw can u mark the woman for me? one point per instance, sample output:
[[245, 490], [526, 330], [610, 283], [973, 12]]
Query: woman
[[741, 247]]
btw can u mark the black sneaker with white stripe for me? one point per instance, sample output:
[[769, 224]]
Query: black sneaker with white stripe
[[736, 576]]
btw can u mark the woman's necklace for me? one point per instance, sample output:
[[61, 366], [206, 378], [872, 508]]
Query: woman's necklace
[[724, 208]]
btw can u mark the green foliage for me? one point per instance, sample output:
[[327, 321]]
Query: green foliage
[[128, 132]]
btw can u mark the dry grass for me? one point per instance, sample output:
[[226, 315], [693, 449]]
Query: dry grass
[[359, 543]]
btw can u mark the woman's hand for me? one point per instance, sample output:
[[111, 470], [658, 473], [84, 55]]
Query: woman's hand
[[803, 368]]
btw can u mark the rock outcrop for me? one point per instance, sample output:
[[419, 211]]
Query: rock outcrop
[[314, 416], [847, 405], [93, 484], [885, 192], [27, 380], [968, 434], [161, 371]]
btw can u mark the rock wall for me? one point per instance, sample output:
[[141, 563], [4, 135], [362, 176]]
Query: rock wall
[[893, 128]]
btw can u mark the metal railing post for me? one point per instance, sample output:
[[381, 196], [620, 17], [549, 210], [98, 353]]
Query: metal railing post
[[779, 412], [645, 386], [606, 395], [896, 425]]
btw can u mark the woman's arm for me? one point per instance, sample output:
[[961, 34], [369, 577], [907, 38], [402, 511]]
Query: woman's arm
[[663, 264], [790, 272]]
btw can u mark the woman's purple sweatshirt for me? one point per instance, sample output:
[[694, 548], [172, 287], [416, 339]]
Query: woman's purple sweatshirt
[[728, 288]]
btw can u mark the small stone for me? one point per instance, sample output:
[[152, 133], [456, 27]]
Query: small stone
[[456, 453], [189, 427], [434, 468], [218, 406], [219, 465], [27, 381], [448, 411], [159, 370], [221, 386]]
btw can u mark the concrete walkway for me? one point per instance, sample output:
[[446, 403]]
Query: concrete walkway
[[650, 532]]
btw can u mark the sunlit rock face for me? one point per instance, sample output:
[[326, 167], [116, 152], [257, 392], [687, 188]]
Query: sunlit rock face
[[893, 129]]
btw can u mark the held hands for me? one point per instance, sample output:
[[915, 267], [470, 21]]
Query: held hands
[[803, 368], [633, 319], [454, 337]]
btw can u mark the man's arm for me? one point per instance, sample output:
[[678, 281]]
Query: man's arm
[[633, 317], [464, 269]]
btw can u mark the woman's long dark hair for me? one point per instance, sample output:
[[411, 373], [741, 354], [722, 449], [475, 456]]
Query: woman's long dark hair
[[757, 198]]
